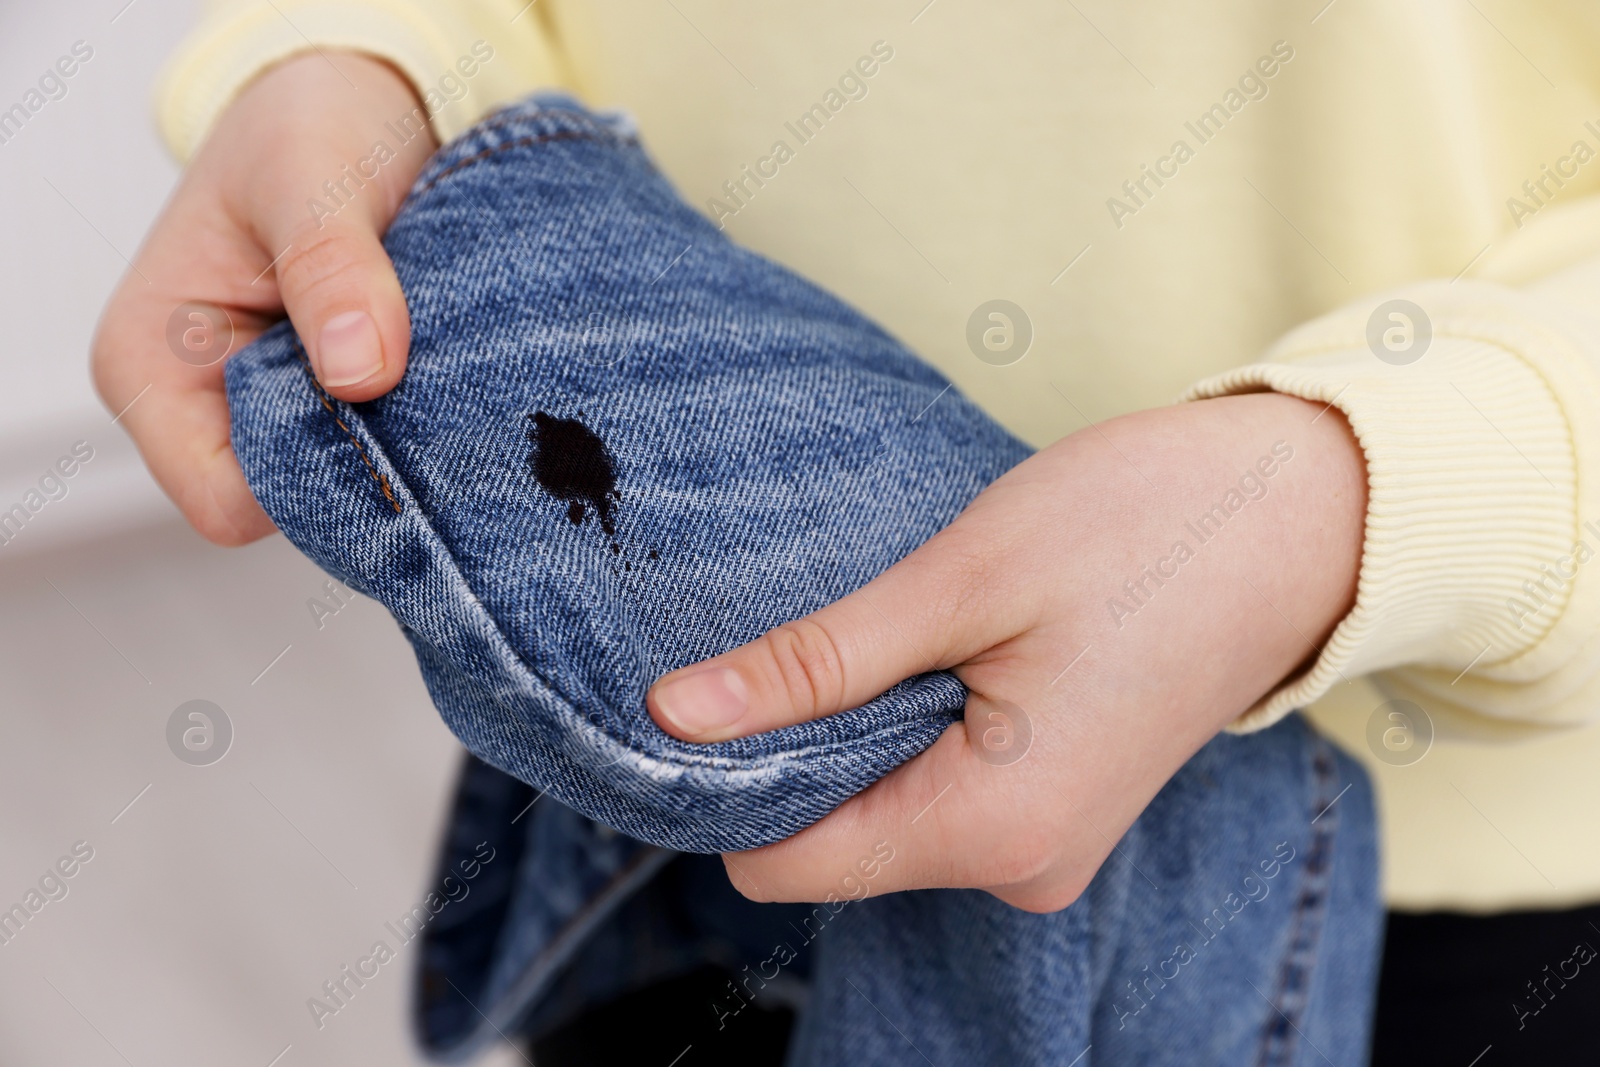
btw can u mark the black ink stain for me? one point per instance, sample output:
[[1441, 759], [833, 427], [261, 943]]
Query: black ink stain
[[571, 462]]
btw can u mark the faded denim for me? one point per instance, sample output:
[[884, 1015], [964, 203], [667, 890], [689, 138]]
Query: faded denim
[[772, 451]]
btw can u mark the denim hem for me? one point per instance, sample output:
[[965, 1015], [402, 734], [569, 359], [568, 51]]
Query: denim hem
[[543, 118]]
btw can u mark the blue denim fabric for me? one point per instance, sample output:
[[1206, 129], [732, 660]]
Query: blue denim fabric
[[1238, 922], [772, 450]]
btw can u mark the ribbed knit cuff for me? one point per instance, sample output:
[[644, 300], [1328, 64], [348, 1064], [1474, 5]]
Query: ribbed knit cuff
[[1472, 481], [435, 46]]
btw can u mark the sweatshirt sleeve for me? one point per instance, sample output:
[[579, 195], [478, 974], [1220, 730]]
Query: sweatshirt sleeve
[[465, 57], [1477, 405]]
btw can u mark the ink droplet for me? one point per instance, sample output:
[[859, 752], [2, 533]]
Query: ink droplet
[[573, 464]]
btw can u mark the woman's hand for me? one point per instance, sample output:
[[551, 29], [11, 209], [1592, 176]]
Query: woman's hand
[[243, 241], [1111, 604]]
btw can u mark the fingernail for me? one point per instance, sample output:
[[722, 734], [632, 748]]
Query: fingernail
[[706, 700], [348, 349]]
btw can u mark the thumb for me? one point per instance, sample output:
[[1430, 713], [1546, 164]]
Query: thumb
[[341, 293], [917, 616]]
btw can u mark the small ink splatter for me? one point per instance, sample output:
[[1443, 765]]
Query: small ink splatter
[[653, 554], [573, 464]]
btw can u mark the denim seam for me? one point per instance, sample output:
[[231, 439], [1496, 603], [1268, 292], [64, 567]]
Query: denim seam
[[327, 403], [687, 761], [1310, 910], [394, 501], [772, 761], [520, 142], [511, 117]]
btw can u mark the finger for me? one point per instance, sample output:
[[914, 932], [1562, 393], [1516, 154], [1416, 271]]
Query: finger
[[192, 460], [177, 414], [171, 400], [341, 293], [927, 612], [948, 819]]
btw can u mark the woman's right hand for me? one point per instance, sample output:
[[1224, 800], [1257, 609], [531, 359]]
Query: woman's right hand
[[244, 235]]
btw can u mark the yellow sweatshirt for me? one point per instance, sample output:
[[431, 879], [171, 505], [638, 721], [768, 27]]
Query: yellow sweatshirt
[[1388, 206]]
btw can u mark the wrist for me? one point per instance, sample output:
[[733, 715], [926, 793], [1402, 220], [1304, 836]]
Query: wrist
[[1235, 549]]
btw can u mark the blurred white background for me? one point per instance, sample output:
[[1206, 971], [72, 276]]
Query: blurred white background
[[219, 898]]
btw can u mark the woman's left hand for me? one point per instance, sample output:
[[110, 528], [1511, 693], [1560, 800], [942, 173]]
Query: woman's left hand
[[1111, 604]]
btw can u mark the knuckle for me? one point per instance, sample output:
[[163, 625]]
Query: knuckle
[[1022, 863], [327, 260], [216, 528], [1039, 878], [807, 663], [970, 580], [109, 351], [1032, 864], [963, 573], [101, 374], [213, 518], [1040, 901]]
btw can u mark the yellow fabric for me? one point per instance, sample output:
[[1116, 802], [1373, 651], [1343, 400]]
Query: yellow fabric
[[1165, 194], [432, 43]]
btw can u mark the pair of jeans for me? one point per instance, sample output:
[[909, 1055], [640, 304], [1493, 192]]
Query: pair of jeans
[[622, 445], [1238, 922]]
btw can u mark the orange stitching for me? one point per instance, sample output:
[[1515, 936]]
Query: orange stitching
[[327, 402]]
